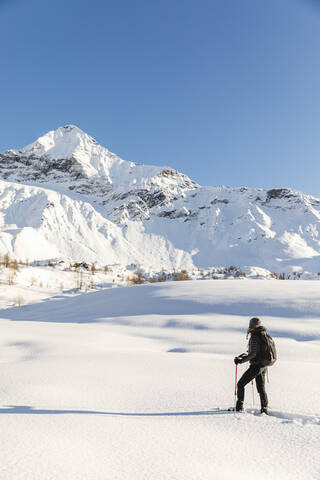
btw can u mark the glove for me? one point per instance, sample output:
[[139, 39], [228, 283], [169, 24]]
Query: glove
[[237, 360]]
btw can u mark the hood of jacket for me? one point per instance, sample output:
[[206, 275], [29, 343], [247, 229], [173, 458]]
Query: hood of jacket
[[259, 329]]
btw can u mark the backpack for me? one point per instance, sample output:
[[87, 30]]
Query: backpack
[[268, 352]]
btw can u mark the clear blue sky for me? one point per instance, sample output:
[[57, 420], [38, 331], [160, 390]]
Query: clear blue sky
[[227, 91]]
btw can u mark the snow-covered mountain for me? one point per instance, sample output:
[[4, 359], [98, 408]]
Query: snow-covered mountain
[[66, 196], [70, 157]]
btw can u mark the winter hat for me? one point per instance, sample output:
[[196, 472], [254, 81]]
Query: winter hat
[[254, 322]]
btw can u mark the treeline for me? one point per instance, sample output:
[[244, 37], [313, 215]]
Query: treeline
[[85, 272]]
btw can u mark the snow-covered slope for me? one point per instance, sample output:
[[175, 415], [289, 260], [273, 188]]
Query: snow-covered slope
[[276, 229], [41, 224], [125, 383], [94, 206]]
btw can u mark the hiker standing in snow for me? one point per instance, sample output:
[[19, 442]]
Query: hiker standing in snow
[[258, 364]]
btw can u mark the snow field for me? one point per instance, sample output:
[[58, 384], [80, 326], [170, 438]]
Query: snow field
[[125, 384], [31, 284]]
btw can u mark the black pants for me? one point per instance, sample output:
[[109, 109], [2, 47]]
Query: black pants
[[259, 373]]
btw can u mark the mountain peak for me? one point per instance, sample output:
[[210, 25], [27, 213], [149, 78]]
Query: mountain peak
[[64, 142], [70, 156]]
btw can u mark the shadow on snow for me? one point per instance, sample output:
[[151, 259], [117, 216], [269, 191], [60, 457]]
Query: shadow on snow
[[142, 300], [284, 417], [25, 410]]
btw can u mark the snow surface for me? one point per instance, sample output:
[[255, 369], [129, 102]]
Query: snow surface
[[125, 383]]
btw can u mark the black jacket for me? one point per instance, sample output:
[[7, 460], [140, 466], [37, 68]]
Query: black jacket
[[254, 347]]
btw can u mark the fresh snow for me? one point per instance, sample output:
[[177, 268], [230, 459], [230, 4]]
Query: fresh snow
[[125, 383]]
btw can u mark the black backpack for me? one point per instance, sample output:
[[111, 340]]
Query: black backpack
[[268, 352]]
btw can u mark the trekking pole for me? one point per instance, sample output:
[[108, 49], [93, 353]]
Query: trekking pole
[[235, 389], [252, 394]]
